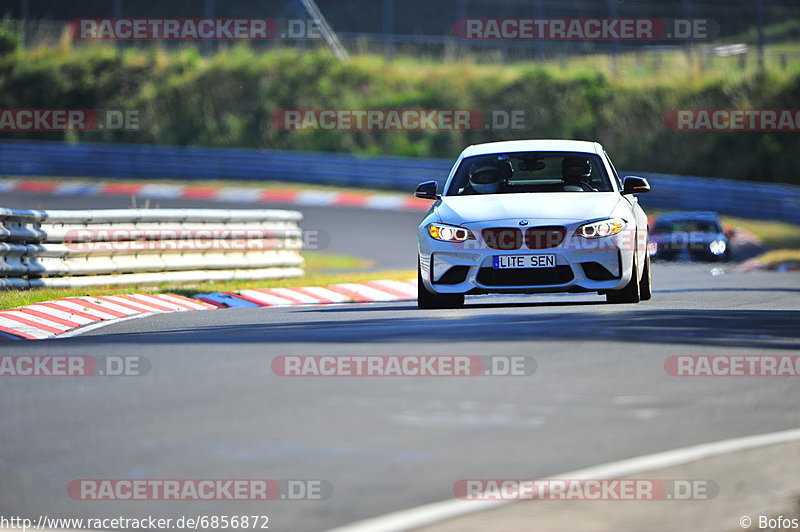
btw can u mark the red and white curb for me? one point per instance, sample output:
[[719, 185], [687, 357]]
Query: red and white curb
[[53, 318], [62, 317], [366, 292], [752, 265], [312, 198]]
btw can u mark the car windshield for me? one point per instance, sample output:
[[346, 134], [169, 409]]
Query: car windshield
[[509, 173], [686, 226]]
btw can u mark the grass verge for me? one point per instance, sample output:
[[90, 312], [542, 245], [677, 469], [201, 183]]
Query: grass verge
[[782, 239], [773, 235], [321, 270], [779, 257]]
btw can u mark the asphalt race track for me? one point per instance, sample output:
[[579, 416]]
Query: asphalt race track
[[211, 407]]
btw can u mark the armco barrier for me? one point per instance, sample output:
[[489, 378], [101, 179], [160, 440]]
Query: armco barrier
[[146, 162], [152, 163], [747, 199], [146, 246]]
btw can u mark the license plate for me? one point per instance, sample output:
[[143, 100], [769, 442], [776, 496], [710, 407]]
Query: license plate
[[502, 262]]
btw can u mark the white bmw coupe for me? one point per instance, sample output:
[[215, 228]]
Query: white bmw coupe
[[533, 216]]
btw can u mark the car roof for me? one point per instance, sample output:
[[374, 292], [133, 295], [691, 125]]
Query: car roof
[[688, 215], [510, 146]]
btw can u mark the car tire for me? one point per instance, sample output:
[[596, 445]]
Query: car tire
[[645, 285], [629, 294], [429, 300]]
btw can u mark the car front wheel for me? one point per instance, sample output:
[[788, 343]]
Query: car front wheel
[[645, 285], [632, 291], [429, 300]]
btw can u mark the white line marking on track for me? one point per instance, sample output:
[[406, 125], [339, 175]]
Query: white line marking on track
[[441, 511]]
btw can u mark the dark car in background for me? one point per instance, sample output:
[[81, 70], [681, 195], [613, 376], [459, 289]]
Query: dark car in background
[[696, 236]]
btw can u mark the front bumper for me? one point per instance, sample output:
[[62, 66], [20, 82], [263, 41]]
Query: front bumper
[[452, 268], [696, 248]]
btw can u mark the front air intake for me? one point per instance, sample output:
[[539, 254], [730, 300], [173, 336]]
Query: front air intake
[[502, 238], [545, 237]]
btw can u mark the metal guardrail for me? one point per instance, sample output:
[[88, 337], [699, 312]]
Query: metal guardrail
[[146, 246], [746, 199], [152, 163], [139, 161]]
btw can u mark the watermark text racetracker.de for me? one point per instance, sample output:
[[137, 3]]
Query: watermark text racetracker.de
[[195, 522], [733, 119], [612, 235], [584, 29], [73, 365], [205, 237], [566, 489], [194, 490], [402, 366], [733, 365], [193, 29], [69, 119], [398, 120]]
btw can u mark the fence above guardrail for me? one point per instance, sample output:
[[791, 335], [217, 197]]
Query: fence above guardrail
[[146, 246], [152, 163]]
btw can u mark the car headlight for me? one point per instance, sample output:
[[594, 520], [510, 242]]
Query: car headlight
[[717, 247], [600, 229], [449, 233]]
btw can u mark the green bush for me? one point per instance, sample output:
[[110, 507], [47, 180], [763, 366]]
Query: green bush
[[10, 35], [227, 100]]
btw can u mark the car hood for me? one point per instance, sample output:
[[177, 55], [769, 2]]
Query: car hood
[[562, 206]]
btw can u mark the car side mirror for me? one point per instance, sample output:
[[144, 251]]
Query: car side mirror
[[427, 190], [635, 185]]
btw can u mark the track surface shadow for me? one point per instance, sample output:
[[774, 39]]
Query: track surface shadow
[[769, 329]]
